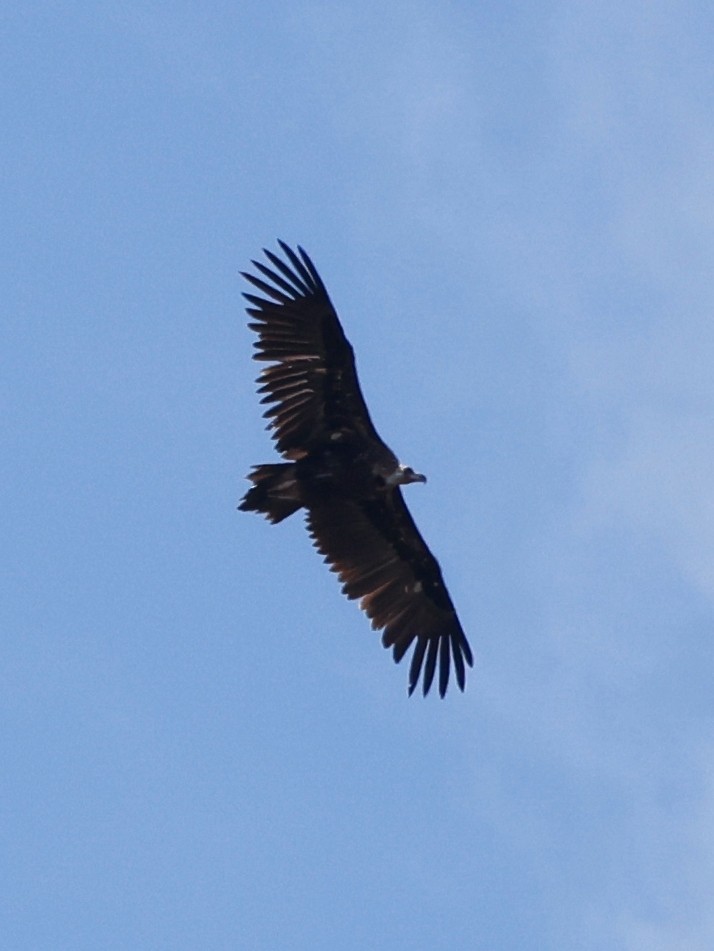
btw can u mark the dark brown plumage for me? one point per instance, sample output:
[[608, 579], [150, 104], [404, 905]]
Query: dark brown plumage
[[341, 472]]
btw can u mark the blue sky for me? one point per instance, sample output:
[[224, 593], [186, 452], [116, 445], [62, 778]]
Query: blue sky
[[203, 743]]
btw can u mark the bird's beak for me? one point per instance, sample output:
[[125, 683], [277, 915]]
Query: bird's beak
[[417, 477]]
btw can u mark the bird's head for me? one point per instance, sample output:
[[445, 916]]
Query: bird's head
[[403, 475]]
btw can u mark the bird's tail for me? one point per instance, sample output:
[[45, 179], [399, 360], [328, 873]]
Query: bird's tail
[[275, 492]]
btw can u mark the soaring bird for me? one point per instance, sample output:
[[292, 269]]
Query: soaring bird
[[341, 472]]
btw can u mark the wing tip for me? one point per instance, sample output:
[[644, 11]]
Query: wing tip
[[444, 650]]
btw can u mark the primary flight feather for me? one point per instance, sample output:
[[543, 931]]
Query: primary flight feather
[[338, 469]]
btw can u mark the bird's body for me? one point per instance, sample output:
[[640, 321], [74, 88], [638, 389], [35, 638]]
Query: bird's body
[[341, 472]]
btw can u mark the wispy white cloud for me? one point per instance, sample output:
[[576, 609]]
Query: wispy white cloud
[[647, 373]]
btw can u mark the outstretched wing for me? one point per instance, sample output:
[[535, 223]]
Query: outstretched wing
[[311, 386], [376, 550]]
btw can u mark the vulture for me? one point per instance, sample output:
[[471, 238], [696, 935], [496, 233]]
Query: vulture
[[338, 469]]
